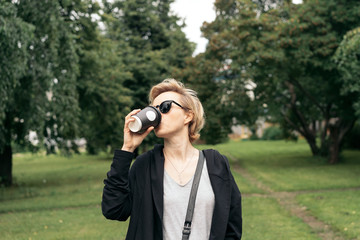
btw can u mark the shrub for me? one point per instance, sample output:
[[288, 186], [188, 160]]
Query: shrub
[[273, 133], [254, 137]]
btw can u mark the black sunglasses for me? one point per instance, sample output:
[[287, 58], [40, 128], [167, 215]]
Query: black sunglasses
[[165, 106]]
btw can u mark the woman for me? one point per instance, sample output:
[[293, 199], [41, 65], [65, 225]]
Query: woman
[[155, 192]]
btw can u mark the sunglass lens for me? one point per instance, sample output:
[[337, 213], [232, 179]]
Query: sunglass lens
[[165, 106]]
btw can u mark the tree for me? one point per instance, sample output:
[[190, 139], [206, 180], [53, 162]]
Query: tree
[[15, 37], [151, 44], [103, 99], [287, 52], [52, 76], [43, 98], [199, 75], [311, 79], [220, 79]]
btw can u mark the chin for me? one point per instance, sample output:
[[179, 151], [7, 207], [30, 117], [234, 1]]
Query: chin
[[161, 133], [157, 132]]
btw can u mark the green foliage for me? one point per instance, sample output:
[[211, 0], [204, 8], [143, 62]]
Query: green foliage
[[64, 77], [198, 75], [347, 58], [282, 55], [214, 131], [46, 98], [103, 99], [151, 45], [254, 137], [273, 133], [15, 37]]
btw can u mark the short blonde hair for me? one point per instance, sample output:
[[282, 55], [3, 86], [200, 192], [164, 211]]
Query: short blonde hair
[[189, 101]]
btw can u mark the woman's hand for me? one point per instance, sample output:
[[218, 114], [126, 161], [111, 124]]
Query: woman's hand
[[133, 140]]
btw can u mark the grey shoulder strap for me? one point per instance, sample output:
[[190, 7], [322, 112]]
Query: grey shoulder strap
[[190, 210]]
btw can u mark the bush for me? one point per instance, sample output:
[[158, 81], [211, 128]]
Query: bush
[[214, 133], [273, 133], [254, 137]]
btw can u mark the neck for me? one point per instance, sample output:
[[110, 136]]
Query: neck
[[179, 149]]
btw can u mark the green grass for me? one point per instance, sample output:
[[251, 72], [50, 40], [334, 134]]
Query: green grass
[[265, 219], [56, 197], [65, 223], [246, 185], [55, 181], [289, 166], [340, 209]]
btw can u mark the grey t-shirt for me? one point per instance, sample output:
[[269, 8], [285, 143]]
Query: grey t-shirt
[[176, 198]]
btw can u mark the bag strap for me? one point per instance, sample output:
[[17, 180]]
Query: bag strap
[[190, 210]]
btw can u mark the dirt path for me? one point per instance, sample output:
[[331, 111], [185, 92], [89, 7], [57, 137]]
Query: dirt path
[[287, 201]]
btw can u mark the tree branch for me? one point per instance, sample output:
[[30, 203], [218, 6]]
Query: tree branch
[[297, 128], [344, 128], [327, 117], [298, 114], [312, 99]]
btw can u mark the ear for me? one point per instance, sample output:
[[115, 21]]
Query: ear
[[189, 115]]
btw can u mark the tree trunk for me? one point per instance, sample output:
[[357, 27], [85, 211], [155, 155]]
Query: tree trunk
[[6, 166], [324, 146], [308, 133], [334, 146], [312, 143], [6, 155], [338, 129]]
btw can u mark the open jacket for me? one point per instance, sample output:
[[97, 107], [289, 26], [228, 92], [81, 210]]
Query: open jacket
[[139, 193]]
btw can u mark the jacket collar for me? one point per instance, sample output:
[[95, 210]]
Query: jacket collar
[[157, 178]]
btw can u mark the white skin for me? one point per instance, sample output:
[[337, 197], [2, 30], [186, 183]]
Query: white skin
[[180, 155]]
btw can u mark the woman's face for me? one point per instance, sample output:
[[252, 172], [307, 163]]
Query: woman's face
[[174, 122]]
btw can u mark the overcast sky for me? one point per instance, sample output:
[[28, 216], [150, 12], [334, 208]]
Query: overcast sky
[[195, 13]]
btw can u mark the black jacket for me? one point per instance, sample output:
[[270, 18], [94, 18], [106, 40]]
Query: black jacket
[[139, 193]]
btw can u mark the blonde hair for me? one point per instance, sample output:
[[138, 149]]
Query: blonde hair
[[189, 101]]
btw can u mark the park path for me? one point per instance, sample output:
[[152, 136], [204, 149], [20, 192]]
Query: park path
[[288, 201]]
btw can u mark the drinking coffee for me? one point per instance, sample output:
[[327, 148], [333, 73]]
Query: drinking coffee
[[144, 119]]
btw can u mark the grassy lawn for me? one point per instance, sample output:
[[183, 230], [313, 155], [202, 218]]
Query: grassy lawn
[[289, 166], [340, 209], [60, 223], [246, 185], [265, 219], [55, 181], [59, 198]]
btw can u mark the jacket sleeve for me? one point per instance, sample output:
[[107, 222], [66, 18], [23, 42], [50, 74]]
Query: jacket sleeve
[[234, 227], [117, 200]]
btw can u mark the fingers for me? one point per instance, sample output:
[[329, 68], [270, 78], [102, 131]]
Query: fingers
[[133, 112], [129, 117], [148, 131]]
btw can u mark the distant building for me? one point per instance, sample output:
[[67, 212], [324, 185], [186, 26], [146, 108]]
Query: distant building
[[244, 132]]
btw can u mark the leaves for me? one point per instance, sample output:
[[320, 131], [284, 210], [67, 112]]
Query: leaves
[[286, 50], [347, 57]]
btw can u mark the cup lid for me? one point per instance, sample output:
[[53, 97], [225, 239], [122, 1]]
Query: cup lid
[[136, 125]]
